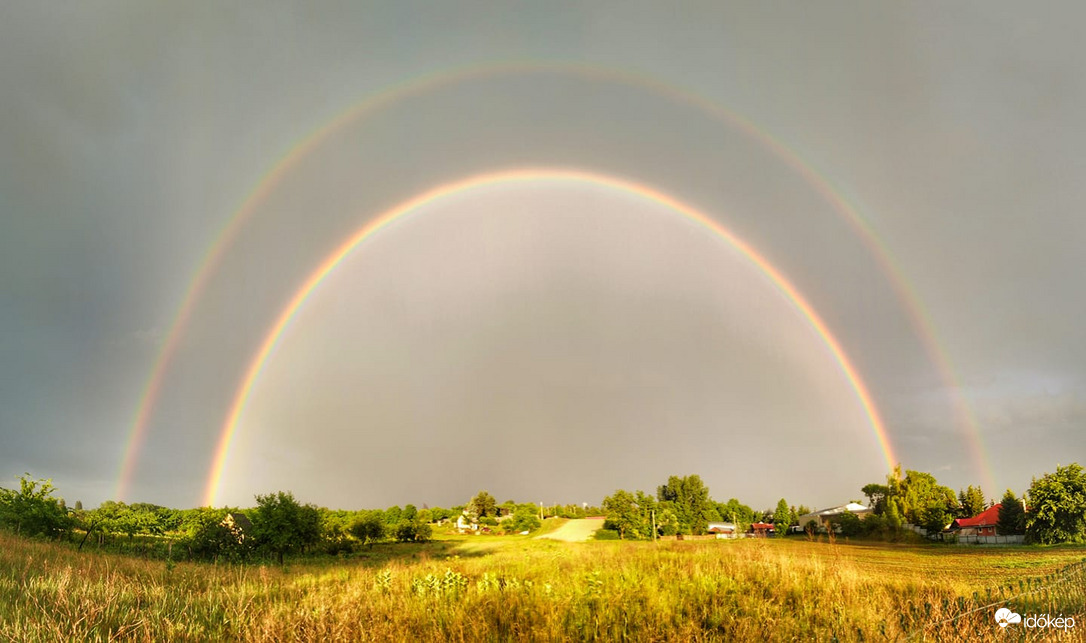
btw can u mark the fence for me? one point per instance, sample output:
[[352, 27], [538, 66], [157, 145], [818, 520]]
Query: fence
[[989, 540], [961, 539], [1059, 595]]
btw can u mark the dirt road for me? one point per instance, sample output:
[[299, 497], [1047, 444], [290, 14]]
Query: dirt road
[[576, 530]]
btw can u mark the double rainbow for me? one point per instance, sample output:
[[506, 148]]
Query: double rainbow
[[393, 95]]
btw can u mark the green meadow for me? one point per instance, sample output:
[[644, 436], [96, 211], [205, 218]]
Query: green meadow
[[500, 588]]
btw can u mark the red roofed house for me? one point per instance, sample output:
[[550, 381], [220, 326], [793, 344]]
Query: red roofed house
[[982, 524], [761, 529]]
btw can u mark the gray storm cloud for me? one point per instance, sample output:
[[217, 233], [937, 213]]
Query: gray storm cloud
[[552, 340]]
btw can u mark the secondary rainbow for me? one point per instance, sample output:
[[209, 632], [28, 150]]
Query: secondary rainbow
[[390, 96], [282, 321]]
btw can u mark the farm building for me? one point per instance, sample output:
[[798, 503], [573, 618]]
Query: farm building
[[982, 524], [722, 529], [824, 517], [761, 529], [466, 524]]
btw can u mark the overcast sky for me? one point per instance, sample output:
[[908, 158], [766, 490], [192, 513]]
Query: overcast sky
[[551, 341]]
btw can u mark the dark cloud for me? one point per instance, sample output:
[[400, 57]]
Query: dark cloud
[[581, 340]]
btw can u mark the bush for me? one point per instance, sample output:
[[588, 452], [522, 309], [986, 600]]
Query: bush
[[207, 538], [32, 510], [413, 532], [848, 525], [524, 519], [607, 534], [369, 529]]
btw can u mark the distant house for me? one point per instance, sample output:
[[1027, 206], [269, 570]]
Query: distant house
[[982, 524], [823, 517], [238, 524], [762, 529], [722, 529], [466, 524]]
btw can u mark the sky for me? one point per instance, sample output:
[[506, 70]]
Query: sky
[[915, 175]]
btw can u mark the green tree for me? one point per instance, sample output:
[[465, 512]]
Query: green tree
[[848, 524], [368, 529], [691, 502], [782, 518], [666, 520], [920, 499], [1012, 516], [1057, 507], [935, 516], [623, 513], [114, 517], [281, 525], [971, 501], [893, 517], [208, 538], [876, 496], [524, 518], [32, 510], [410, 531], [423, 532], [483, 504], [736, 512]]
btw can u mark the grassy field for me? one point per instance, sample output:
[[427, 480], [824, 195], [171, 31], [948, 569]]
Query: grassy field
[[519, 588]]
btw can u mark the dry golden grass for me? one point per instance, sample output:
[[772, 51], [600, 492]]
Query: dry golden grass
[[520, 589]]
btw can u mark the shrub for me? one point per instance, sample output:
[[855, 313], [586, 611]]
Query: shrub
[[411, 532]]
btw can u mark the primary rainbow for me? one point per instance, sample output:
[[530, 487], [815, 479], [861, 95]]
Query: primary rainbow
[[275, 332], [390, 96]]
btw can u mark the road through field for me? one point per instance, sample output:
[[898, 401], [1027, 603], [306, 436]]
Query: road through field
[[577, 530]]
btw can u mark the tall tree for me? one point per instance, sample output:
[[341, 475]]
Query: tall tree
[[920, 499], [393, 516], [623, 514], [876, 496], [690, 500], [282, 525], [1012, 516], [483, 504], [1057, 507], [369, 528], [782, 518], [971, 501], [893, 517]]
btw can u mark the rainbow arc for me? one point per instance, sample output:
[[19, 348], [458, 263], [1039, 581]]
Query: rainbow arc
[[274, 334]]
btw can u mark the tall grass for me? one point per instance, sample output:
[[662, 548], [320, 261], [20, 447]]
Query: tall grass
[[515, 590]]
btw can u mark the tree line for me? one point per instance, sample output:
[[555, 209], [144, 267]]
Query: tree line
[[682, 505], [278, 525], [1053, 509]]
